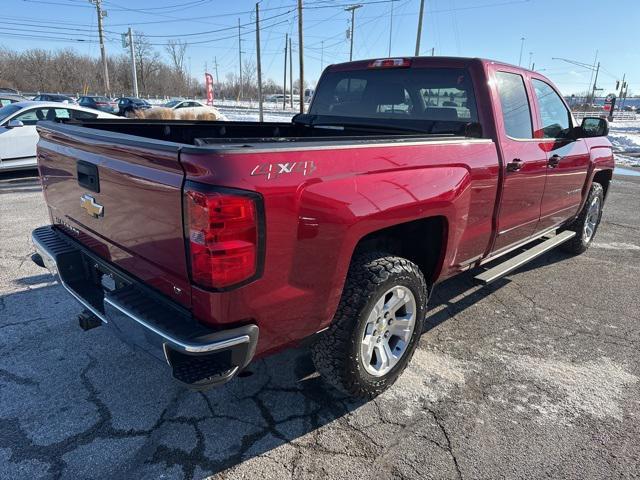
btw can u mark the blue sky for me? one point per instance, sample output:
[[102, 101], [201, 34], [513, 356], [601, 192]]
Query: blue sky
[[573, 29]]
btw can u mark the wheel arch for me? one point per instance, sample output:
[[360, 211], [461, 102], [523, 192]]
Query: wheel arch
[[603, 177], [422, 241]]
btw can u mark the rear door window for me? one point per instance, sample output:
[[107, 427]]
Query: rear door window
[[516, 111], [62, 113], [82, 115]]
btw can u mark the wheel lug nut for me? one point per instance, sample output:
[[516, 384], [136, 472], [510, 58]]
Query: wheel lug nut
[[386, 334], [390, 321], [386, 315], [378, 340]]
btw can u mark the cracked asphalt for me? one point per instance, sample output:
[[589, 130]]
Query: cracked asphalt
[[533, 377]]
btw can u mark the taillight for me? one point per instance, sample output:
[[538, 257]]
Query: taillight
[[223, 237], [391, 63]]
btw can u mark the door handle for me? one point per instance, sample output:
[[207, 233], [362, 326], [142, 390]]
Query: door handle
[[554, 161], [514, 165]]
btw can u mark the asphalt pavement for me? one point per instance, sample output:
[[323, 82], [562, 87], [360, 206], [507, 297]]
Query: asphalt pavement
[[536, 376]]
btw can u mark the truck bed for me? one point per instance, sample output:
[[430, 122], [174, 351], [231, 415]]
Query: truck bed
[[243, 134]]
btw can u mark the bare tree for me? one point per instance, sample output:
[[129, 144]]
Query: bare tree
[[176, 49], [147, 60]]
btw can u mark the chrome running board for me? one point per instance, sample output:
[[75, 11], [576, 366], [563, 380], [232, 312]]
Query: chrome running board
[[516, 262]]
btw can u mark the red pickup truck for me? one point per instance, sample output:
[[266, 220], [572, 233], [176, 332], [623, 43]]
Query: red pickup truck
[[208, 244]]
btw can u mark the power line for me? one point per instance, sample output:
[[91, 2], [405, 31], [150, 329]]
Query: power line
[[206, 32]]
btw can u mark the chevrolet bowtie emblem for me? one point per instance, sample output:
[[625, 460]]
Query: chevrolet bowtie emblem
[[89, 204]]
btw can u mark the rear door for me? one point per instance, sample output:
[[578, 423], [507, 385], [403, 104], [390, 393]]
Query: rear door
[[121, 197], [567, 159], [524, 159]]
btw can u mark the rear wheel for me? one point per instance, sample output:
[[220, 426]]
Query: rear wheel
[[586, 224], [376, 327]]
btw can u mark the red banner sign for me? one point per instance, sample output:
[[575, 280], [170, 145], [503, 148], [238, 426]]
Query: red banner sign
[[208, 80]]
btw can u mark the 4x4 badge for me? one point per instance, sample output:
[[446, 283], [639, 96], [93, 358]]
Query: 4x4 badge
[[274, 170], [89, 204]]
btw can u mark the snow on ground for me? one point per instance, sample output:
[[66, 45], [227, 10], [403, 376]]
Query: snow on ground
[[625, 138], [240, 114]]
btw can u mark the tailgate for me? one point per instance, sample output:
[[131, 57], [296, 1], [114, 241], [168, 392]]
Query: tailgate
[[121, 197]]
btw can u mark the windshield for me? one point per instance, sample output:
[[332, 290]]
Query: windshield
[[7, 111], [172, 103], [435, 100], [101, 99]]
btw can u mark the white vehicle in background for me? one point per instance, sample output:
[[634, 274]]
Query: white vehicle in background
[[18, 135], [193, 106]]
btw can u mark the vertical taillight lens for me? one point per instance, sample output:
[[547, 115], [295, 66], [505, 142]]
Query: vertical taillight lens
[[222, 233]]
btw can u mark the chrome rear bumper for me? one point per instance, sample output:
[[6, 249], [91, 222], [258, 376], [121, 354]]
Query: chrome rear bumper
[[199, 356]]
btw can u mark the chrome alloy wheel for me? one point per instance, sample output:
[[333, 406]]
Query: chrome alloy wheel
[[593, 214], [388, 331]]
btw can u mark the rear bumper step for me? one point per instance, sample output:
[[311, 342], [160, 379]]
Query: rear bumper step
[[198, 356], [516, 262]]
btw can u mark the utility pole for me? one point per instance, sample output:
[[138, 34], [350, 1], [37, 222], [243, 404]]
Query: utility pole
[[103, 53], [291, 73], [284, 84], [301, 56], [134, 76], [417, 53], [352, 9], [260, 111], [215, 62], [390, 28], [240, 58], [622, 85], [530, 59], [521, 49], [595, 83]]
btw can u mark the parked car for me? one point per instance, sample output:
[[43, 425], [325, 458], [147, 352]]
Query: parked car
[[8, 98], [193, 106], [97, 102], [128, 105], [209, 244], [278, 98], [18, 135], [11, 91], [54, 97]]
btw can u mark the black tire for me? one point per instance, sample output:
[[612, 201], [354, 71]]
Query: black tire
[[336, 352], [580, 242]]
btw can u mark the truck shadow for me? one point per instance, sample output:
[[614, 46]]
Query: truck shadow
[[21, 181], [79, 388], [45, 360], [455, 295]]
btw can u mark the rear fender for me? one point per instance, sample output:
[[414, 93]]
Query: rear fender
[[335, 215]]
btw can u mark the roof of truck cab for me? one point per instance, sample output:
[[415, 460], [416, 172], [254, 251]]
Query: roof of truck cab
[[421, 61]]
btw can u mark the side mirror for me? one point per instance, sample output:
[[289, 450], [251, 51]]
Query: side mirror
[[593, 127], [14, 124]]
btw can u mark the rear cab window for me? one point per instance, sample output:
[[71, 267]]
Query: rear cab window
[[514, 103], [435, 100]]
